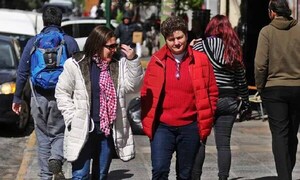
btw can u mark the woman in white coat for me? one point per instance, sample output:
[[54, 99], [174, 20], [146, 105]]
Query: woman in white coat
[[91, 96]]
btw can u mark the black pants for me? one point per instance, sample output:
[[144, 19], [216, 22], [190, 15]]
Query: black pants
[[282, 104], [224, 120]]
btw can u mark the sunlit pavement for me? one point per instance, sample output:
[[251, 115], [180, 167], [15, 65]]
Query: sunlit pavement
[[252, 157]]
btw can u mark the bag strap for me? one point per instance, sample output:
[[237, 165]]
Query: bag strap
[[34, 96], [62, 43], [34, 47]]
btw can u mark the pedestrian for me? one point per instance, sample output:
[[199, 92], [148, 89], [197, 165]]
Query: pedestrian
[[277, 78], [91, 94], [125, 32], [178, 100], [223, 48], [48, 120]]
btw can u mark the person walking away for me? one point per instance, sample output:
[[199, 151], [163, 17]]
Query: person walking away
[[91, 94], [125, 32], [225, 54], [178, 100], [277, 78], [48, 121]]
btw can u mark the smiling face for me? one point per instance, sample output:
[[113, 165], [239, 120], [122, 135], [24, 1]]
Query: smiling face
[[109, 49], [177, 42]]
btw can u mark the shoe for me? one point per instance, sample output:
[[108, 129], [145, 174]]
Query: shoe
[[223, 178], [59, 176], [55, 166]]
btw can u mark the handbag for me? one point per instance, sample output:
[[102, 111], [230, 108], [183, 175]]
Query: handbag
[[244, 112]]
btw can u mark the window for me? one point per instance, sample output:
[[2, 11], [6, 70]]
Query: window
[[6, 56]]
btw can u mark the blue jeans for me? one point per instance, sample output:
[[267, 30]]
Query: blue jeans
[[224, 119], [183, 140], [99, 148], [49, 129], [282, 105]]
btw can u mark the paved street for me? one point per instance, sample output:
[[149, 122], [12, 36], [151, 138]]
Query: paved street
[[252, 158]]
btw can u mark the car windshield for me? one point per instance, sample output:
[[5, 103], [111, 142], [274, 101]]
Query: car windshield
[[79, 30], [82, 28], [22, 38], [6, 56]]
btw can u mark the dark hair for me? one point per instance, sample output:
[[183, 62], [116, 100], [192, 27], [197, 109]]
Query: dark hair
[[219, 26], [97, 39], [127, 15], [280, 7], [52, 16], [172, 24]]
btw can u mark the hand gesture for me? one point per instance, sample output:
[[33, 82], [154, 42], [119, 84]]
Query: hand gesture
[[194, 41], [128, 51]]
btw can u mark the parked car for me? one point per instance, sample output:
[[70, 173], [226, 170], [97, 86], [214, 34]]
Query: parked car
[[80, 28], [9, 60], [20, 24]]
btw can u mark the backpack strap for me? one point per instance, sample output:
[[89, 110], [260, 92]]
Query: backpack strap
[[34, 96], [62, 43], [59, 54], [34, 47]]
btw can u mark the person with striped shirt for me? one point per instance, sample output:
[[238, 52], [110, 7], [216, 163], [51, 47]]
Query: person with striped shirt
[[223, 49]]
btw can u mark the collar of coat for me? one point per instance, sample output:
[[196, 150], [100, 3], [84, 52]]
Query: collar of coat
[[165, 53], [84, 63]]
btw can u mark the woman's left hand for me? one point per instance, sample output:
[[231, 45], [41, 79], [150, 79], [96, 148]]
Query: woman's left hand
[[128, 51]]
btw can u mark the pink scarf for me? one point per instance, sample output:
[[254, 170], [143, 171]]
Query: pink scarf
[[108, 97]]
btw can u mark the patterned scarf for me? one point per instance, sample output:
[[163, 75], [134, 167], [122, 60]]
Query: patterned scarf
[[108, 97]]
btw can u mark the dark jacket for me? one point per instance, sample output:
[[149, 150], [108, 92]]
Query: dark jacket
[[125, 31], [24, 65]]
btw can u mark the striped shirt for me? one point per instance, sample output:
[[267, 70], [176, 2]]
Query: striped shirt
[[231, 82]]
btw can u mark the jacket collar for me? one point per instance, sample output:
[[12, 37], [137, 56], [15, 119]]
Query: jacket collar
[[84, 63], [165, 53], [51, 28], [283, 23]]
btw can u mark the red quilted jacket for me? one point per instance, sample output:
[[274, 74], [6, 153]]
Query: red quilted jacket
[[204, 84]]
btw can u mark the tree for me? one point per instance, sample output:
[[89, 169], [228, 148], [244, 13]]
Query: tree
[[195, 4], [167, 10], [171, 7]]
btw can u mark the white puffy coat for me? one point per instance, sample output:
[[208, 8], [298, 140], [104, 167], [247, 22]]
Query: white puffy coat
[[73, 94]]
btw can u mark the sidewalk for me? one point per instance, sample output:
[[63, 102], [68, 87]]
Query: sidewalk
[[252, 158]]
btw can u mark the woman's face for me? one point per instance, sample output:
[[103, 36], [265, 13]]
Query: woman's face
[[109, 49], [177, 42]]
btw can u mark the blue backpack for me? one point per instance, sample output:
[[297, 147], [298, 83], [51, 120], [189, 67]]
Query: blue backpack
[[48, 56]]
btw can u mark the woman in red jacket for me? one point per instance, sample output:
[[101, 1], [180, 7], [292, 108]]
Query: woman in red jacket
[[178, 98]]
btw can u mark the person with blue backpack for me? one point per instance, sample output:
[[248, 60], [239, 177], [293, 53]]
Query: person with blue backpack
[[42, 62]]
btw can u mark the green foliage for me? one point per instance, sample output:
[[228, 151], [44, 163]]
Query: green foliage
[[145, 2], [119, 16], [195, 4]]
